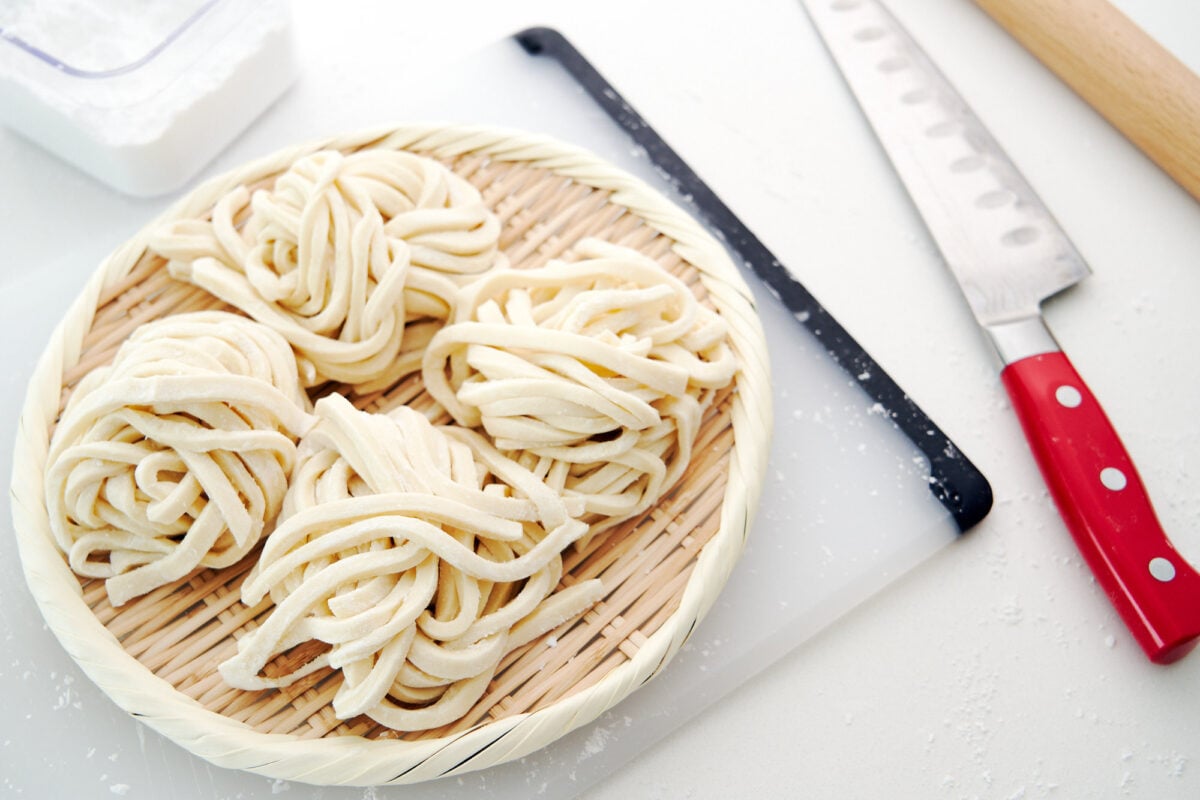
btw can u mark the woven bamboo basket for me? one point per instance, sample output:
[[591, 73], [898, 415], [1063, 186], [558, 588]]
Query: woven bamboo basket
[[156, 656]]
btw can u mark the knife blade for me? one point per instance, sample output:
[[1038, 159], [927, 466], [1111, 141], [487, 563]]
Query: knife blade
[[1009, 254]]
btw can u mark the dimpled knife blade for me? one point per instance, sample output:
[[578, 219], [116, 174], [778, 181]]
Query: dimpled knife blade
[[1000, 240]]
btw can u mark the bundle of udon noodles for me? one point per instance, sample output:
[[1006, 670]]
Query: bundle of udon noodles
[[594, 374], [354, 259], [421, 554], [178, 454]]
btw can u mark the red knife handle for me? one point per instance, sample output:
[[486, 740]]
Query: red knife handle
[[1105, 505]]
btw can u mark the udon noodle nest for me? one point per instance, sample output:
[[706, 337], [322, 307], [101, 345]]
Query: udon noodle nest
[[594, 374], [339, 254], [177, 455], [422, 555]]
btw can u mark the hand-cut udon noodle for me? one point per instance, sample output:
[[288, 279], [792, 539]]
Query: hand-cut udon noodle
[[339, 254], [420, 554], [178, 454], [594, 374]]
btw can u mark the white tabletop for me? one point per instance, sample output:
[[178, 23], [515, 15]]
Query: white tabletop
[[997, 669]]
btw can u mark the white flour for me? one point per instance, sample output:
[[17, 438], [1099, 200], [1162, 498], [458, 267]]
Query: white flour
[[140, 93], [94, 35]]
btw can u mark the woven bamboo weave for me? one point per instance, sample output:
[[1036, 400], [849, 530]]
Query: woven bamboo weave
[[157, 655]]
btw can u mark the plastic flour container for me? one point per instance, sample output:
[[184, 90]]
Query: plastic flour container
[[141, 94]]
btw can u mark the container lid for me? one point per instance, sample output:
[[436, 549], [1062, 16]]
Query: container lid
[[97, 39], [113, 54]]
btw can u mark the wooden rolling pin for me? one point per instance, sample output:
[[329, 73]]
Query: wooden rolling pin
[[1144, 91]]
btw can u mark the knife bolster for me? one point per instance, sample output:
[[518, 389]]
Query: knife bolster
[[1021, 338]]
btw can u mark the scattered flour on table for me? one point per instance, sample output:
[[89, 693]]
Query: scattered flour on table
[[602, 735], [1010, 612], [596, 742], [1173, 763], [66, 694], [1126, 784]]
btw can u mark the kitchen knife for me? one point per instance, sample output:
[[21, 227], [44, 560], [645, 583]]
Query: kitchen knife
[[1008, 255]]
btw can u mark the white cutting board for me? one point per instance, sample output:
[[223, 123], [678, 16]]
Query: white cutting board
[[845, 510]]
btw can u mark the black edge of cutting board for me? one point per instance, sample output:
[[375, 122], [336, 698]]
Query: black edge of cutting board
[[954, 480]]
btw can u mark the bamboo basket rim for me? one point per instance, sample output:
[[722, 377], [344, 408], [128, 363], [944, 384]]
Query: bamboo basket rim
[[353, 760]]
